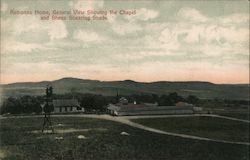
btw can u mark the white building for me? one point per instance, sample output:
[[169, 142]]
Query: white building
[[126, 109], [123, 100], [67, 105]]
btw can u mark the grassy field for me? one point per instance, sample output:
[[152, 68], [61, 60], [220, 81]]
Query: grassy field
[[244, 116], [21, 140], [210, 127]]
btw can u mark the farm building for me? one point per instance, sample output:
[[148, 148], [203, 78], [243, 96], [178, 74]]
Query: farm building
[[183, 104], [125, 109], [66, 105], [142, 109]]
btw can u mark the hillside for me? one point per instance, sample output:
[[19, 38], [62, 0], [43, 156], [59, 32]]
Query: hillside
[[127, 87]]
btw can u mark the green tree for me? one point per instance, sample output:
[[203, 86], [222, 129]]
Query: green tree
[[192, 99]]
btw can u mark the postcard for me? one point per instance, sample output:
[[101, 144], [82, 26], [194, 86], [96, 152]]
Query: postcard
[[124, 80]]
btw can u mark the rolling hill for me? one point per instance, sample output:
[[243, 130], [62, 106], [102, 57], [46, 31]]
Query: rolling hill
[[68, 85]]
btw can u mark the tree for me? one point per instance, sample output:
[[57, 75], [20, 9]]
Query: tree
[[96, 102], [12, 105], [192, 99], [87, 101], [170, 100]]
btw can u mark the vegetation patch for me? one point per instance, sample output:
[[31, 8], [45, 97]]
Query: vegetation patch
[[210, 127], [244, 116], [20, 144]]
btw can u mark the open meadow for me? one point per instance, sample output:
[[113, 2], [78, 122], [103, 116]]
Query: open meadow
[[209, 127], [98, 139]]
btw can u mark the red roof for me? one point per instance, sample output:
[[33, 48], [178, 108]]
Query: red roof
[[130, 105]]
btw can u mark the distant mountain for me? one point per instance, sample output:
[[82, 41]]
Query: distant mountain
[[68, 85]]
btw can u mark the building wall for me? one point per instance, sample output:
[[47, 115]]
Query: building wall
[[56, 110], [67, 109], [159, 110], [155, 112]]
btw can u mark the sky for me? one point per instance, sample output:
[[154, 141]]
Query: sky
[[163, 41]]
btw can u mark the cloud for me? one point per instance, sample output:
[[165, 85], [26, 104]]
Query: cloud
[[166, 36], [163, 44], [181, 34], [203, 39], [12, 46], [234, 35], [124, 28], [57, 30], [26, 25], [28, 34], [88, 36], [236, 18], [143, 46], [143, 14], [130, 24], [4, 7], [191, 14], [210, 33], [86, 4]]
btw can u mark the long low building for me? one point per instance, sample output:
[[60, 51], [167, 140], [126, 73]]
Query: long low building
[[66, 105], [130, 109]]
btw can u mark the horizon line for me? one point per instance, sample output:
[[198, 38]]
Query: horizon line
[[123, 80]]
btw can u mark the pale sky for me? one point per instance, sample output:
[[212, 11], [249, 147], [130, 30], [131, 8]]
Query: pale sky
[[164, 41]]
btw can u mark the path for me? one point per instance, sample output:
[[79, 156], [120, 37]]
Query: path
[[188, 115], [126, 120]]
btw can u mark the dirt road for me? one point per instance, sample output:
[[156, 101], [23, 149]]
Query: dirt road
[[126, 120]]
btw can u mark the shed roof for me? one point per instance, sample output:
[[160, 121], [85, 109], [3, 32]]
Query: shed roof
[[137, 107], [183, 104]]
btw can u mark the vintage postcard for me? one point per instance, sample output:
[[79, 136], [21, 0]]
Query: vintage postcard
[[124, 80]]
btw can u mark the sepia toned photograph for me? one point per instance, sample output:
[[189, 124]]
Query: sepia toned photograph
[[124, 80]]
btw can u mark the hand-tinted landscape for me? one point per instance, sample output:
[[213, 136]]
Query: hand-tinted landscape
[[203, 90], [124, 80]]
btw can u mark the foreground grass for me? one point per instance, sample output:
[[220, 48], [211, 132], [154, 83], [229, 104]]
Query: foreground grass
[[210, 127], [244, 116], [103, 141]]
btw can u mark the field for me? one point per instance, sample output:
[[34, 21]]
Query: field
[[21, 139], [244, 116], [209, 127]]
